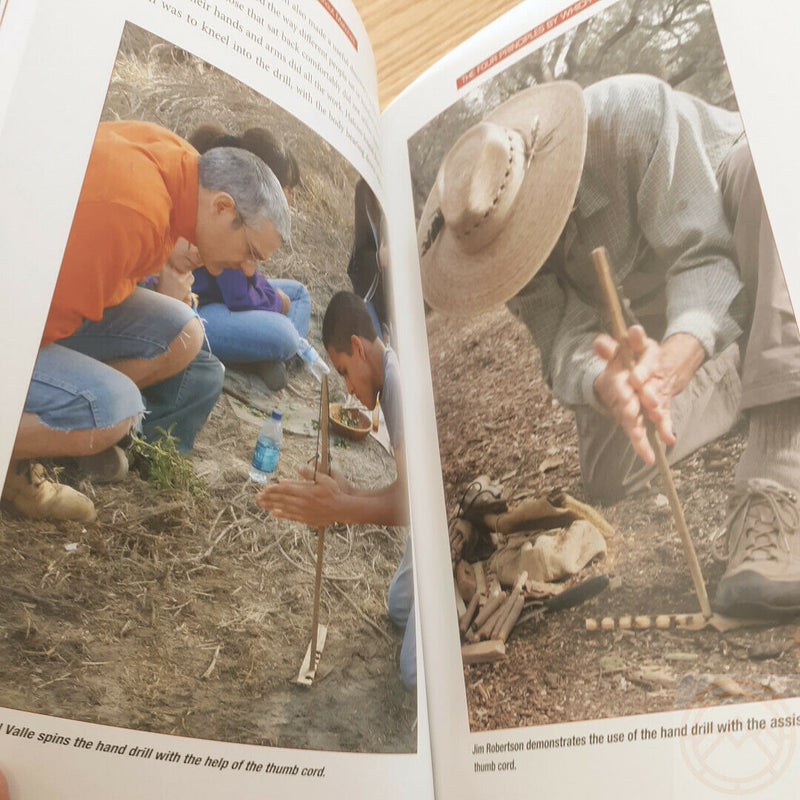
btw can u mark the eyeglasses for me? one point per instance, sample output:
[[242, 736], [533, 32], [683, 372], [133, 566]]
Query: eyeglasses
[[254, 254]]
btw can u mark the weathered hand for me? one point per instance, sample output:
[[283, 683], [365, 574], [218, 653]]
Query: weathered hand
[[659, 372], [314, 503], [633, 393]]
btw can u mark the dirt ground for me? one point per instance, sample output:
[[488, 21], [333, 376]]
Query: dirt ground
[[495, 415], [191, 616]]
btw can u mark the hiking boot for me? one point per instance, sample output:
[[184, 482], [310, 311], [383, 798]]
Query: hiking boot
[[762, 547], [107, 466], [274, 374], [33, 494]]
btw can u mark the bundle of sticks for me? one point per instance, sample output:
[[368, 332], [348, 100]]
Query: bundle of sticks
[[486, 625], [487, 556]]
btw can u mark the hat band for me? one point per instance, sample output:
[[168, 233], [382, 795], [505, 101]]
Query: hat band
[[530, 140]]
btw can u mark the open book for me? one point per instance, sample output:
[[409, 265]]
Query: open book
[[153, 650]]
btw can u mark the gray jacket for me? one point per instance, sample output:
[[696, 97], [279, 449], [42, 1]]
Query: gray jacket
[[649, 194]]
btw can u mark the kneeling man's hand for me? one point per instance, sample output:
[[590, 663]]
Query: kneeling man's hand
[[641, 378], [314, 503]]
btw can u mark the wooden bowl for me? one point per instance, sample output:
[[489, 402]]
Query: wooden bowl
[[359, 431]]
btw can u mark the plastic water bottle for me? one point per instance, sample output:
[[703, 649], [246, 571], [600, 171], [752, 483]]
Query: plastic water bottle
[[268, 447], [312, 360]]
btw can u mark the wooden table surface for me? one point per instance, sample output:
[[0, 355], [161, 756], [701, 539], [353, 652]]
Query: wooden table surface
[[408, 36]]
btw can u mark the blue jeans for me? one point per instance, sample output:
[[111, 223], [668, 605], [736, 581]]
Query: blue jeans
[[248, 336], [73, 389], [401, 612]]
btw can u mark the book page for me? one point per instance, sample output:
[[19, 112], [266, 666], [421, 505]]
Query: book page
[[153, 644], [601, 685]]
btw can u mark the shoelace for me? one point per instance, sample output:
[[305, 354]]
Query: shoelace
[[763, 536]]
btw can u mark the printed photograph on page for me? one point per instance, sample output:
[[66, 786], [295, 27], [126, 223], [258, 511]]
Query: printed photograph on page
[[220, 327], [621, 458]]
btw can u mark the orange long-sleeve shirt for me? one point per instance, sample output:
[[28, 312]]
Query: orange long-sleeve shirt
[[139, 196]]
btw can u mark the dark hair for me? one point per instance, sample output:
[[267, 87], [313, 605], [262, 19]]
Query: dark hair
[[280, 160], [205, 136], [258, 141], [364, 267], [346, 316]]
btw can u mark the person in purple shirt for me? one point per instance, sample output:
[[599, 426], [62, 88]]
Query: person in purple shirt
[[253, 320]]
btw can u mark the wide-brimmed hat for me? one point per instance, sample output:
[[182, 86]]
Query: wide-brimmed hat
[[501, 199]]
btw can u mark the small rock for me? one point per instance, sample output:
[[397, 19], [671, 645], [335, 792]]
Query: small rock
[[714, 451], [761, 651], [551, 679], [550, 463], [654, 675], [677, 656], [728, 686], [611, 664], [666, 551]]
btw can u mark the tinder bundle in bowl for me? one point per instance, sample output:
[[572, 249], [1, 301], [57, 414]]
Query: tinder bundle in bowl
[[349, 422]]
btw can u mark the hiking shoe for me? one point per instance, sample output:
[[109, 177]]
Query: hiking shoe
[[295, 363], [762, 547], [33, 494], [274, 374], [108, 466]]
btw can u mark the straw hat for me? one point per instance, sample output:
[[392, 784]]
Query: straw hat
[[501, 199]]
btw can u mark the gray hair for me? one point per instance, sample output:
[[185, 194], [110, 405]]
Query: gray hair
[[250, 182]]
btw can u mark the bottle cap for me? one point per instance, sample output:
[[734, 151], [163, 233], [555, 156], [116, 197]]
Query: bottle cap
[[276, 415]]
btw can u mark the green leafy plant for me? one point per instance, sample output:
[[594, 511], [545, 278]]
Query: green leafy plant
[[163, 466]]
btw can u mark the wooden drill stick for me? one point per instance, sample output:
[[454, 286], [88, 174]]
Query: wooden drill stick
[[324, 467], [619, 332], [308, 668]]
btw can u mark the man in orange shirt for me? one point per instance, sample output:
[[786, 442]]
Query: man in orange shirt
[[115, 355]]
